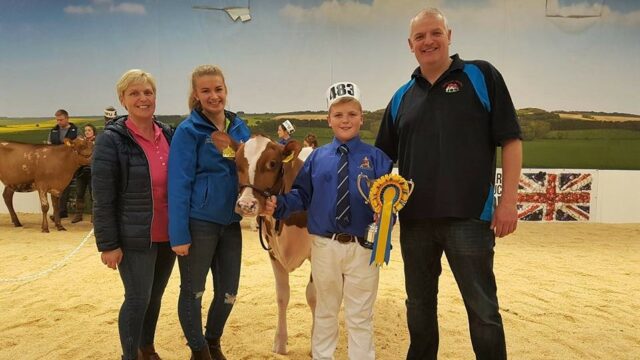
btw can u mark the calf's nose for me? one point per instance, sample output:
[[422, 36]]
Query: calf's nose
[[248, 206]]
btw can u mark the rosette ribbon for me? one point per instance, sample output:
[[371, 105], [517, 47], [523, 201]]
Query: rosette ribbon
[[387, 195]]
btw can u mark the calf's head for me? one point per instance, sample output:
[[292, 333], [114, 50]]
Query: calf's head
[[261, 165], [82, 149]]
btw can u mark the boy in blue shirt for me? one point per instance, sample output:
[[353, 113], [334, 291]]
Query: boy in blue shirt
[[338, 217]]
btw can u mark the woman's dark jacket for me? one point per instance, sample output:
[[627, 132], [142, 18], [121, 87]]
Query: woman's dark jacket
[[122, 194]]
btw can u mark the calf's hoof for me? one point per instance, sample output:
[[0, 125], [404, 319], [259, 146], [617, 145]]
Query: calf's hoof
[[279, 348], [60, 228]]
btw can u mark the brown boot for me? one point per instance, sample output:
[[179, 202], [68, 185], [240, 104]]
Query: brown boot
[[215, 349], [200, 354], [148, 353], [78, 216]]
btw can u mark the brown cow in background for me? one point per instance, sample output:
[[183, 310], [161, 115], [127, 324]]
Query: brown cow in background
[[264, 168], [42, 168]]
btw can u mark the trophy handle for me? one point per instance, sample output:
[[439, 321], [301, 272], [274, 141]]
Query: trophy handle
[[366, 178], [411, 186]]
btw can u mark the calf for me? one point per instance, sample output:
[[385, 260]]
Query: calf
[[42, 168], [266, 168]]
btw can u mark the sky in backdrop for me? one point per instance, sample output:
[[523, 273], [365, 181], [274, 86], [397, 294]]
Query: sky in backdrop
[[70, 53]]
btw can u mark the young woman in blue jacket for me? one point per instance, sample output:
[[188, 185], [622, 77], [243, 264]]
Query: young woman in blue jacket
[[204, 229]]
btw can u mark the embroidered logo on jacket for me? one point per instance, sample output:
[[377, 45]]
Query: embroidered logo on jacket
[[452, 86], [365, 163]]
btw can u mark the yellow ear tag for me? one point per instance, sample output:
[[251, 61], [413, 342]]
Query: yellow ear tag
[[228, 153], [289, 158]]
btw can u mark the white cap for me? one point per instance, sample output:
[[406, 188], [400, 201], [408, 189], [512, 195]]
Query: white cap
[[343, 89], [110, 113], [289, 127]]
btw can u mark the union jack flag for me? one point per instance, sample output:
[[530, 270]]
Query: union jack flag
[[560, 197]]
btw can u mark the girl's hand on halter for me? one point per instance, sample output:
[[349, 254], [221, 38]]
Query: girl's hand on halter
[[269, 206]]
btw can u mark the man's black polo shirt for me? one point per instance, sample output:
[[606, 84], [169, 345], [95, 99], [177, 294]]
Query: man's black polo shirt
[[444, 137]]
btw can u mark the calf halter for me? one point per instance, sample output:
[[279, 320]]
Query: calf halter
[[277, 188], [273, 190]]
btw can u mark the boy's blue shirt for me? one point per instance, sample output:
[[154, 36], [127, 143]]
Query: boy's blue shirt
[[202, 184], [315, 187]]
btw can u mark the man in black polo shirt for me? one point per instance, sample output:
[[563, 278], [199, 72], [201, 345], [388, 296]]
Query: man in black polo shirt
[[63, 130], [443, 127]]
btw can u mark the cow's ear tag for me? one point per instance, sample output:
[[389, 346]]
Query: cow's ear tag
[[228, 152], [67, 142], [289, 157]]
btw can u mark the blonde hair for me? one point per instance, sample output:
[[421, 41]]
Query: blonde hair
[[134, 76], [346, 99], [198, 72]]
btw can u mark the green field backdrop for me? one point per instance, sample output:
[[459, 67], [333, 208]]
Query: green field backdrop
[[559, 139]]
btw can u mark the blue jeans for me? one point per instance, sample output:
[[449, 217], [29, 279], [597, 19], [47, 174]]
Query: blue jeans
[[145, 274], [217, 248], [468, 245]]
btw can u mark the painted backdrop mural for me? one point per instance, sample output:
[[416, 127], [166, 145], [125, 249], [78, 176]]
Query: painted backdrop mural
[[555, 54], [572, 67]]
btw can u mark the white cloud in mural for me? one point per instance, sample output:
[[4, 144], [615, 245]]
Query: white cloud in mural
[[78, 10], [529, 13], [351, 12], [575, 9], [129, 8], [106, 6], [631, 19]]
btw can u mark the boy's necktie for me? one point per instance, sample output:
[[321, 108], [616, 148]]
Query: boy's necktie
[[343, 213]]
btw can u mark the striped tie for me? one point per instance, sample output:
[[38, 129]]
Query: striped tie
[[343, 213]]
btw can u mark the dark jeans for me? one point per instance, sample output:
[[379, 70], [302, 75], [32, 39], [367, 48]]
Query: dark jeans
[[468, 245], [217, 248], [62, 202], [145, 274], [83, 182]]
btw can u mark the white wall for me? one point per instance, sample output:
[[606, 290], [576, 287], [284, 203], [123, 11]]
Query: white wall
[[618, 197], [24, 202]]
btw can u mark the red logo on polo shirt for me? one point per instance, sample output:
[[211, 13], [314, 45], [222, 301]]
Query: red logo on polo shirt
[[452, 86]]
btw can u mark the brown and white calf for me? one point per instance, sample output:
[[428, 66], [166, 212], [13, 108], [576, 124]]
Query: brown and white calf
[[267, 168], [42, 168]]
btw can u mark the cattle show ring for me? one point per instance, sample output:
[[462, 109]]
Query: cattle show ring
[[564, 286]]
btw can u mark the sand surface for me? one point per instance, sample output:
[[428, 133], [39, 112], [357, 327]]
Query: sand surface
[[567, 291]]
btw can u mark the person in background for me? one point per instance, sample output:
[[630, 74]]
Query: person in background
[[129, 181], [203, 226], [285, 130], [338, 217], [110, 113], [310, 143], [63, 130], [443, 127], [83, 177]]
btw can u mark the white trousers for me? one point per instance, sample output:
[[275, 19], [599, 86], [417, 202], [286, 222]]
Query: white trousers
[[342, 271]]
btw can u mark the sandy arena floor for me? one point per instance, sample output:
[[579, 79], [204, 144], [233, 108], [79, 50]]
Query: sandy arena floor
[[567, 291]]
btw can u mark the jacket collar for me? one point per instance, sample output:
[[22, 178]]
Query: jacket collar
[[456, 64], [117, 125], [200, 120]]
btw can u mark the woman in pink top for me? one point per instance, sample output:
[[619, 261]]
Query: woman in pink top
[[130, 210]]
